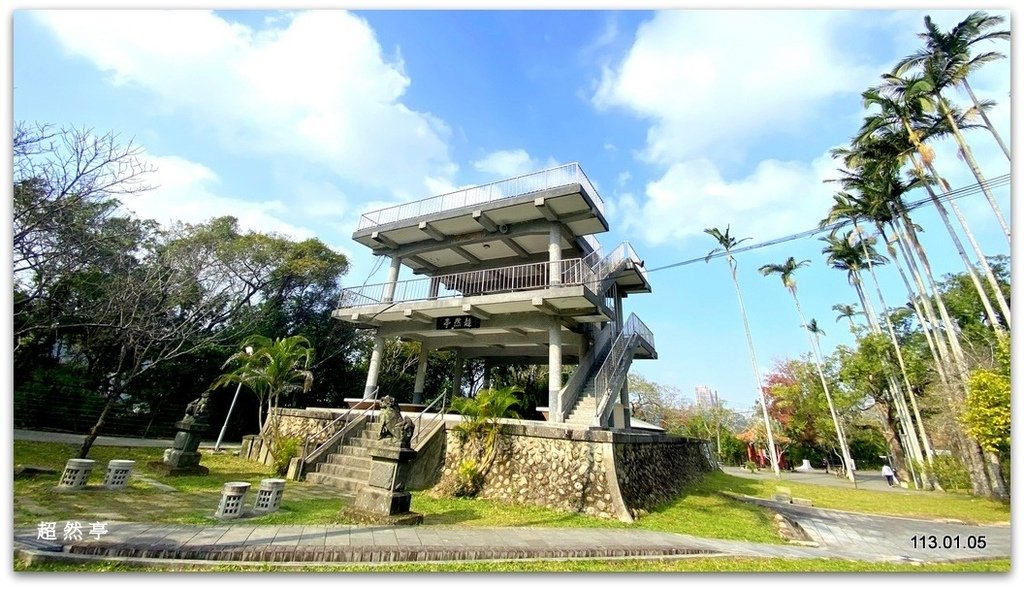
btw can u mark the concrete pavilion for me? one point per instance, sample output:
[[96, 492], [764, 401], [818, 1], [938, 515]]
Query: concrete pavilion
[[510, 272]]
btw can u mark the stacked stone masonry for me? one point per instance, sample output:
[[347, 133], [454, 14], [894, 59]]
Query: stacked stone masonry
[[601, 473], [595, 472]]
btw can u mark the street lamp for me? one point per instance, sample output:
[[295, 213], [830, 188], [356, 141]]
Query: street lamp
[[216, 447]]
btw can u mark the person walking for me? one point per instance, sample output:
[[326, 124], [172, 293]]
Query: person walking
[[889, 475]]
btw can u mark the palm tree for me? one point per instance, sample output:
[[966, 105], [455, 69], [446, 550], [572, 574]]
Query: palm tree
[[274, 368], [727, 243], [845, 253], [478, 434], [953, 51], [872, 173], [841, 255], [902, 102], [928, 454], [846, 311], [938, 76], [785, 272]]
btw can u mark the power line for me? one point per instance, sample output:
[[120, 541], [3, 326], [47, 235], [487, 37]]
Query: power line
[[968, 190]]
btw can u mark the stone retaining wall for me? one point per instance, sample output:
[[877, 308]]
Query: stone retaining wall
[[596, 472], [602, 473], [300, 423]]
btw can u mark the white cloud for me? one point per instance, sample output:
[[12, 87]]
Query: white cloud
[[186, 191], [511, 162], [312, 85], [714, 78], [776, 199]]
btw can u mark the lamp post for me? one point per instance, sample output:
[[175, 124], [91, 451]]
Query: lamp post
[[216, 447]]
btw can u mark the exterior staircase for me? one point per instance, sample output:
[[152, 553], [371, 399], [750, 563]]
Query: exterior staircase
[[604, 378], [586, 402], [348, 468]]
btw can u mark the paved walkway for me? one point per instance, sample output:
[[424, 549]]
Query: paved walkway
[[836, 535], [827, 533]]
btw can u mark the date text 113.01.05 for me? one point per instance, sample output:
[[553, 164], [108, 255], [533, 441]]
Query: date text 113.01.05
[[948, 542]]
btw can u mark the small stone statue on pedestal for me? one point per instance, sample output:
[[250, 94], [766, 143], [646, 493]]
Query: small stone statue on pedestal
[[384, 499], [183, 457], [395, 430]]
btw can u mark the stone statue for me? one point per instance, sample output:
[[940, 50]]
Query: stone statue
[[198, 409], [394, 429]]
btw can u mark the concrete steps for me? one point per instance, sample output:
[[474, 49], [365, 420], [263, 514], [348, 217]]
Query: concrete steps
[[348, 468]]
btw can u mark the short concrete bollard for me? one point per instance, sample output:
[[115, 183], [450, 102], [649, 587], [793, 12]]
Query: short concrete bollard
[[118, 473], [76, 473], [269, 496], [232, 499]]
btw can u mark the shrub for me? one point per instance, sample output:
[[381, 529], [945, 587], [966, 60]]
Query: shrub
[[950, 473], [284, 450]]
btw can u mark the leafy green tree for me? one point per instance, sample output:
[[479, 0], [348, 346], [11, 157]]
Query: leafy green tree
[[987, 410]]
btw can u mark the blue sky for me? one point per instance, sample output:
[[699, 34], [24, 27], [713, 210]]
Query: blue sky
[[298, 122]]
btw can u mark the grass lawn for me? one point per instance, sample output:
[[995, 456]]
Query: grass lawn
[[654, 565], [920, 504], [703, 510]]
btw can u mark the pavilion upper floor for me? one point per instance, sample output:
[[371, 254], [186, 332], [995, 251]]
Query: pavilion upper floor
[[510, 222]]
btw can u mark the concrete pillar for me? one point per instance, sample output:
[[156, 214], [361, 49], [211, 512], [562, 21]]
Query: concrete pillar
[[624, 400], [421, 374], [488, 370], [374, 369], [554, 370], [618, 309], [457, 376], [554, 255], [389, 287]]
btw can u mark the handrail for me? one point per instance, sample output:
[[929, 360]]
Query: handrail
[[502, 189], [419, 431], [523, 277], [611, 370], [617, 373], [619, 256], [339, 435], [569, 394], [635, 325], [604, 375], [566, 398]]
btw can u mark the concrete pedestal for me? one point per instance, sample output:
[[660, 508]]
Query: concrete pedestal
[[384, 498], [183, 457]]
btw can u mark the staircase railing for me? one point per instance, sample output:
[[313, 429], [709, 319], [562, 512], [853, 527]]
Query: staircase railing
[[420, 434], [618, 258], [570, 393], [609, 377], [337, 437]]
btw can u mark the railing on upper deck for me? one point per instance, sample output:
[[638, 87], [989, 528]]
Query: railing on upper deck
[[571, 272], [502, 189]]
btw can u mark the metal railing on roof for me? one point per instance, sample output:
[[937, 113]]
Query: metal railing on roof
[[474, 195]]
